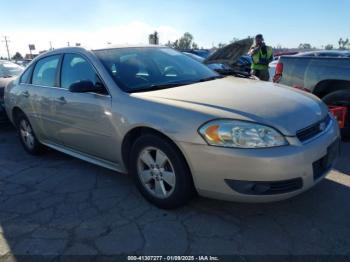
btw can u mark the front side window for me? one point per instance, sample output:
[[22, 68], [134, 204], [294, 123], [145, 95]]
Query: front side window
[[75, 69], [146, 69], [45, 71]]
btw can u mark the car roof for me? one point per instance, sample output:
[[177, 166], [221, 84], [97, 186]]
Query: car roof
[[83, 49], [77, 48], [127, 46]]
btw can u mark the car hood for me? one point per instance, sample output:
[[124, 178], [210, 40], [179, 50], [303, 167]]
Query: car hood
[[284, 108], [230, 54]]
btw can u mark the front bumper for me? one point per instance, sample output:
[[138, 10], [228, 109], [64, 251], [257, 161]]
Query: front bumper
[[212, 167]]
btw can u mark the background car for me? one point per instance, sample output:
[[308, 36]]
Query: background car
[[23, 63], [204, 53], [323, 73], [230, 59], [8, 71]]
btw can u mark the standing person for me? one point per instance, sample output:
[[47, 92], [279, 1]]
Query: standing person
[[261, 55]]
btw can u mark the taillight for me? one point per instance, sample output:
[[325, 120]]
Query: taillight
[[278, 72], [279, 69], [340, 113]]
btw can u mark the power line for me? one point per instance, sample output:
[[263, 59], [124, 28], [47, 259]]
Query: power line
[[7, 46]]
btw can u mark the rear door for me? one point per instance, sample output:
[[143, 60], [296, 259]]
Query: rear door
[[83, 120], [37, 85]]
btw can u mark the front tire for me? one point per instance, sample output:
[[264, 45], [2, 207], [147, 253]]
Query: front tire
[[160, 172], [27, 136]]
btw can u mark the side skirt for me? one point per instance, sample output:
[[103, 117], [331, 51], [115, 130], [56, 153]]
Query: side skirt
[[86, 157]]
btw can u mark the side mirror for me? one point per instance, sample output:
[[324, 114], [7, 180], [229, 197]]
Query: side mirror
[[84, 87]]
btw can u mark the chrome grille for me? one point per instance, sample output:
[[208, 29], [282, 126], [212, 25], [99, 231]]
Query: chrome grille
[[313, 130]]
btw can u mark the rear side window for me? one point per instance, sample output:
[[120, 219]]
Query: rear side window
[[45, 71]]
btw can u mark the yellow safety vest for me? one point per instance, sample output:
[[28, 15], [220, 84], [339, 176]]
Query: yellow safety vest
[[260, 60]]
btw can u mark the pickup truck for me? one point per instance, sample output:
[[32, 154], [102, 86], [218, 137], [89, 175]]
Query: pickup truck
[[326, 77]]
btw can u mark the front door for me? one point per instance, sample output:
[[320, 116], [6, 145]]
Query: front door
[[84, 119]]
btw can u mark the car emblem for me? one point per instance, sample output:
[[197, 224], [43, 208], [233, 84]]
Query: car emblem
[[322, 126]]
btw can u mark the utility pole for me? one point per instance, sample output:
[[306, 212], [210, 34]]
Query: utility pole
[[7, 47], [51, 46]]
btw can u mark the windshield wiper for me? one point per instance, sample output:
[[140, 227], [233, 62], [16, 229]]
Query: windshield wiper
[[167, 85], [210, 78], [154, 87], [234, 72]]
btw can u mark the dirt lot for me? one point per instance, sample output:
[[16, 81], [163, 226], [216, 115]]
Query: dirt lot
[[55, 204]]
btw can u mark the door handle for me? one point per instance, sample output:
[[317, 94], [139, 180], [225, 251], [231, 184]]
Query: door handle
[[25, 94], [61, 100]]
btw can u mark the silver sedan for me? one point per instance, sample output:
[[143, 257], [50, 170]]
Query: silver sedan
[[175, 125]]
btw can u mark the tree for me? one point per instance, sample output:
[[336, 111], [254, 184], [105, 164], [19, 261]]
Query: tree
[[17, 56], [169, 44], [235, 39], [343, 43], [305, 46], [279, 46], [185, 42], [221, 45], [328, 47], [194, 46]]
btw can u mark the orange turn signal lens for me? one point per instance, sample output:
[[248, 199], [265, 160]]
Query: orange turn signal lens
[[212, 133]]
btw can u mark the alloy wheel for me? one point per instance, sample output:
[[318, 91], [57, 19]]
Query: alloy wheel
[[27, 134], [156, 172]]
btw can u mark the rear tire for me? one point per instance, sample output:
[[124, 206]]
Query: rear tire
[[27, 135], [340, 98], [160, 172]]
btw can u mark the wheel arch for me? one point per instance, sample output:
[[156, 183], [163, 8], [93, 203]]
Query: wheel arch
[[135, 133], [16, 112], [326, 87]]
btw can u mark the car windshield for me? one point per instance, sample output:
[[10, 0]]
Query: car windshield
[[9, 69], [152, 68]]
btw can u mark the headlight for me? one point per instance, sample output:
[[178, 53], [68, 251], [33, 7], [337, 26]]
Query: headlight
[[241, 134]]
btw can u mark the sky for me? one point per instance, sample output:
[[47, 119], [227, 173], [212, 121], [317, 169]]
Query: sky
[[95, 23]]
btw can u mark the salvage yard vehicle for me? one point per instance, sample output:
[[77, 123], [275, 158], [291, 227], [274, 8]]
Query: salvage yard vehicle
[[175, 125], [8, 71], [324, 74], [228, 60]]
